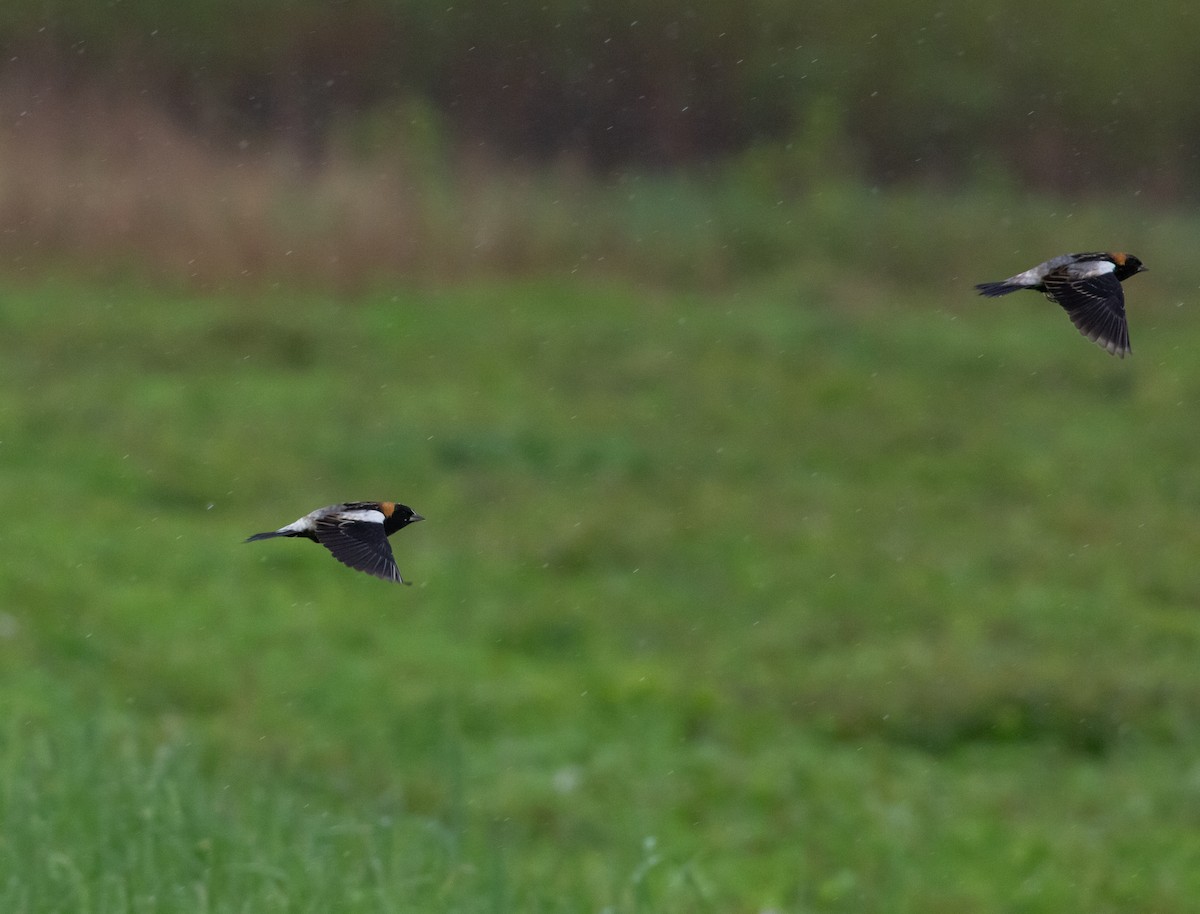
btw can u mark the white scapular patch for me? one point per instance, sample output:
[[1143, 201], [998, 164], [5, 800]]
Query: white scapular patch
[[370, 516], [1094, 268]]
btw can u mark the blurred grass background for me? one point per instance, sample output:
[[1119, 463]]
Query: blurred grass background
[[767, 568]]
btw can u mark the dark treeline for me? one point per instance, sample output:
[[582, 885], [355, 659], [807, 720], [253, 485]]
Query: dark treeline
[[888, 90]]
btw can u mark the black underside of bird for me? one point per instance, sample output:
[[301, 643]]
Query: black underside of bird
[[1096, 307], [361, 546]]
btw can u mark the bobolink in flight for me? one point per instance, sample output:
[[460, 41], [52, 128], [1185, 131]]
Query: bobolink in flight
[[356, 533], [1088, 287]]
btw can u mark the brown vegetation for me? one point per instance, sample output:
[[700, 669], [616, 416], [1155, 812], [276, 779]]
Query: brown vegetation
[[106, 183]]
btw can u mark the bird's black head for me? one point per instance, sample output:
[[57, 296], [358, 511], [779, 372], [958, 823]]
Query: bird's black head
[[1127, 265], [396, 515]]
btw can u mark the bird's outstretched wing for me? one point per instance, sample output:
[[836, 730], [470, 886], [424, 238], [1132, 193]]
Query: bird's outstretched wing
[[360, 544], [1096, 305]]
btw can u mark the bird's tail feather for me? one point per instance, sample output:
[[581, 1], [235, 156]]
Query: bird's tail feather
[[992, 289], [264, 536]]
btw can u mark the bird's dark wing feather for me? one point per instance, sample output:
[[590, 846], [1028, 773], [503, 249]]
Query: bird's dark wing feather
[[1096, 305], [361, 545]]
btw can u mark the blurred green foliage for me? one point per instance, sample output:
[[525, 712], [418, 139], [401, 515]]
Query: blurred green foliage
[[833, 588], [1061, 96]]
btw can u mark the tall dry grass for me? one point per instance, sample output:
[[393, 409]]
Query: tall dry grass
[[104, 183]]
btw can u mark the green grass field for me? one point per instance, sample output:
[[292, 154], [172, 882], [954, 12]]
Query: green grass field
[[822, 591]]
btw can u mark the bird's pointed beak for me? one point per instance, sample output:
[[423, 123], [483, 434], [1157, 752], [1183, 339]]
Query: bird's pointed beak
[[415, 518]]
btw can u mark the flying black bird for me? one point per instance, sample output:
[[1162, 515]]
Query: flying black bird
[[356, 533], [1088, 286]]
